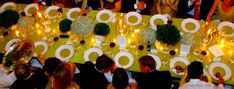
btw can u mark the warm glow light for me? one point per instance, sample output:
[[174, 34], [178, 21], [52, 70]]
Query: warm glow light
[[53, 31], [121, 14], [160, 48], [14, 27], [92, 40], [133, 35], [207, 52], [176, 50], [125, 26], [37, 25], [17, 33], [222, 45], [209, 31], [137, 30], [222, 41], [120, 22], [39, 14], [230, 52], [115, 40], [129, 41], [207, 23], [38, 32]]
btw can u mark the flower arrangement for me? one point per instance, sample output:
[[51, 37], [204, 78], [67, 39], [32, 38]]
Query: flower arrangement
[[82, 26], [101, 29], [188, 39], [168, 34], [25, 22], [9, 18], [65, 25], [148, 35]]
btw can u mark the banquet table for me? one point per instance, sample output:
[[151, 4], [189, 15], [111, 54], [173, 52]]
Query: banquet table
[[132, 33]]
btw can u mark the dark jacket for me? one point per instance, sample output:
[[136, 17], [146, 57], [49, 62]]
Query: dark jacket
[[153, 80], [183, 9]]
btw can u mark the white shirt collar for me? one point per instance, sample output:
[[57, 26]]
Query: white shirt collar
[[194, 80]]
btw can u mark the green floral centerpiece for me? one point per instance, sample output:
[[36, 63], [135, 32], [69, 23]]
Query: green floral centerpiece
[[65, 25], [9, 18], [168, 34], [101, 29]]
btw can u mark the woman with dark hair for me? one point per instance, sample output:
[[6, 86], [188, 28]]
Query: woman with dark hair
[[120, 80], [225, 10], [114, 5]]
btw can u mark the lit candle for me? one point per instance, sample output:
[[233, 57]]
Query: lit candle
[[92, 40], [120, 22], [222, 45], [133, 35], [176, 50], [230, 52], [38, 32], [114, 40], [37, 25], [17, 33], [129, 41], [209, 31], [39, 14]]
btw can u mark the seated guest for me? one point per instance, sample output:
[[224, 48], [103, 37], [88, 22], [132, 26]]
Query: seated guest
[[98, 76], [165, 7], [225, 10], [62, 77], [7, 77], [197, 9], [36, 76], [50, 65], [83, 70], [120, 80], [194, 72], [22, 72], [128, 6], [114, 5], [150, 78], [37, 73], [18, 1], [86, 4]]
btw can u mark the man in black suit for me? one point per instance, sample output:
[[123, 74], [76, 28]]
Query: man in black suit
[[150, 78], [93, 77], [186, 8]]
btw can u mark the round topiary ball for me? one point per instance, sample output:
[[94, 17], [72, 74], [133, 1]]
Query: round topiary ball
[[9, 18], [65, 25], [101, 29], [168, 34]]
